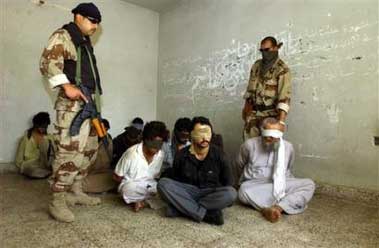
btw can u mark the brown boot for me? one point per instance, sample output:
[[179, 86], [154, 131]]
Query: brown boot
[[58, 208], [77, 196]]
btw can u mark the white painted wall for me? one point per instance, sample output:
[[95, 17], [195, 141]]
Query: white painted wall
[[126, 48], [208, 46]]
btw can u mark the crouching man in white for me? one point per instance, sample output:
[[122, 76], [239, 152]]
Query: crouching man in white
[[139, 167], [267, 182]]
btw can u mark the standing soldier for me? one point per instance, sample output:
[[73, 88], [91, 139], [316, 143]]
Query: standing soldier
[[68, 61], [268, 93]]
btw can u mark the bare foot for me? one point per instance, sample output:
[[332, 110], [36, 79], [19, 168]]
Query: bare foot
[[272, 214], [137, 206]]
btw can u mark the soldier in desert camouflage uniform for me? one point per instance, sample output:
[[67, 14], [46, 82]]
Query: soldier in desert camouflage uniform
[[74, 153], [268, 93]]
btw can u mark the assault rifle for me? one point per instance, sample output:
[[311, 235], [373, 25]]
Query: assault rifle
[[90, 111]]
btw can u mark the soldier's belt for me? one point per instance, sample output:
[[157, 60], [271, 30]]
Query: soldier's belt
[[262, 108]]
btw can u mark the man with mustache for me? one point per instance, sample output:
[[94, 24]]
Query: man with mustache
[[68, 61], [268, 93], [267, 182], [199, 186]]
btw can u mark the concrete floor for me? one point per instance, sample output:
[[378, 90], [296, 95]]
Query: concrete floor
[[328, 222]]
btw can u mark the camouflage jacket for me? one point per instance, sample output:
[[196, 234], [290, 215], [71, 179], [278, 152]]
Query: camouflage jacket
[[273, 89], [59, 48]]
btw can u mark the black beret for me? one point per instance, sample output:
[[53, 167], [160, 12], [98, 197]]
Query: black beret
[[88, 10]]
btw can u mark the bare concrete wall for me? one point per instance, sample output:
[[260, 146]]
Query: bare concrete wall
[[126, 47], [206, 50]]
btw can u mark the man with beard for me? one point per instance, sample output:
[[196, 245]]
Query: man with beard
[[268, 92], [199, 186], [267, 182]]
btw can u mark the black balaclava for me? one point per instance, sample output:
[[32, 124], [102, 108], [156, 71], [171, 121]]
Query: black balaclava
[[268, 60]]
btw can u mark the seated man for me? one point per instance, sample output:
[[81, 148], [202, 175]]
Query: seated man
[[36, 149], [131, 136], [200, 183], [140, 166], [179, 140], [99, 178], [267, 182]]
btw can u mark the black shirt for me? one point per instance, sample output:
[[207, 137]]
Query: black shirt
[[213, 171], [123, 142]]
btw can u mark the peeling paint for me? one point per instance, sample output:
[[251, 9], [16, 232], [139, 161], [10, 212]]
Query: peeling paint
[[315, 94], [41, 3], [333, 112], [313, 156]]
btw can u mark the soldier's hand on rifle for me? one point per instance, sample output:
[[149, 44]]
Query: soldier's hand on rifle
[[73, 92]]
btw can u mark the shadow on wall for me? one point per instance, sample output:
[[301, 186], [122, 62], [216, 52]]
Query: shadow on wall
[[97, 35]]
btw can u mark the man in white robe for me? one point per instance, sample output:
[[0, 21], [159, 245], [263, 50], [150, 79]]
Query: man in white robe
[[267, 183], [140, 166]]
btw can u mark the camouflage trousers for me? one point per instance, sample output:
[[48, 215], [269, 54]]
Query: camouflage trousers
[[74, 153], [254, 120]]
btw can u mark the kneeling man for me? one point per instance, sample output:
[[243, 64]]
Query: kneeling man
[[267, 182], [200, 181], [140, 165]]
